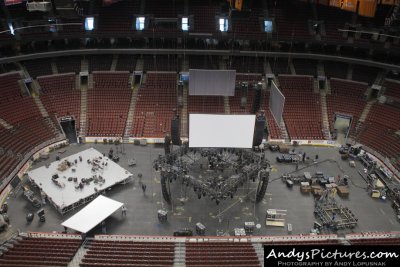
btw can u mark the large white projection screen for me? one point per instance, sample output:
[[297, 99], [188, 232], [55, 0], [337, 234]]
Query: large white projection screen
[[212, 82], [206, 130], [276, 102]]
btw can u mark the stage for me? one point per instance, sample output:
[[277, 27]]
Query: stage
[[93, 172]]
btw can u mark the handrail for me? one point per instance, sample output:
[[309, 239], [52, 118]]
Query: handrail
[[135, 51], [190, 239]]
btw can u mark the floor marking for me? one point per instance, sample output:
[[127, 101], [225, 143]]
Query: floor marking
[[391, 221], [381, 210]]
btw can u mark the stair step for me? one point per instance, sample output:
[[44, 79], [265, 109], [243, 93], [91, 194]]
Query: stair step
[[184, 112], [227, 108], [114, 63], [83, 115], [131, 113]]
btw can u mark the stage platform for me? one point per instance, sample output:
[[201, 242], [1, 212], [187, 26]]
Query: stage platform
[[64, 192]]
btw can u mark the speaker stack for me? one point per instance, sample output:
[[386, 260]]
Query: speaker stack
[[259, 130], [176, 131], [257, 98]]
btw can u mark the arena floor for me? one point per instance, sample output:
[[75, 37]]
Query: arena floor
[[187, 209]]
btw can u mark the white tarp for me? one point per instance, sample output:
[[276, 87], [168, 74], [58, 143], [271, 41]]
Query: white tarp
[[93, 214], [208, 130], [276, 102], [212, 82]]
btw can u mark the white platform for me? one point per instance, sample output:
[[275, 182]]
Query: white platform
[[68, 197], [93, 214]]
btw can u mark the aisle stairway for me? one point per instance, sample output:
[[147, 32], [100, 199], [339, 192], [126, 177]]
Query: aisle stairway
[[325, 118], [179, 255], [114, 63], [5, 124], [284, 132], [41, 107], [83, 114], [184, 113], [366, 111], [227, 108], [54, 68], [131, 113]]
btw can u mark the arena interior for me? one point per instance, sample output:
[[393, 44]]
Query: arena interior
[[105, 159]]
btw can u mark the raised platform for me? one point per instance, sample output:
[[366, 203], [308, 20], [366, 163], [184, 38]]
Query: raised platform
[[65, 193]]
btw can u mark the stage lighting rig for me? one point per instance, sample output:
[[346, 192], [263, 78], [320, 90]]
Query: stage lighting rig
[[213, 173]]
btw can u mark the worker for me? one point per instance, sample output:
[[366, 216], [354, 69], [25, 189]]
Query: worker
[[144, 188], [123, 210]]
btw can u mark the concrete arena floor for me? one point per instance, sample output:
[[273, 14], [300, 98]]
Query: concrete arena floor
[[141, 219]]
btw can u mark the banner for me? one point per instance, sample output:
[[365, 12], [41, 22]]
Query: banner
[[349, 5], [367, 8], [238, 4], [387, 2], [335, 3]]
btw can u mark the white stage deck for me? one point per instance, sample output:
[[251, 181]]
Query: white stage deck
[[67, 197], [93, 214]]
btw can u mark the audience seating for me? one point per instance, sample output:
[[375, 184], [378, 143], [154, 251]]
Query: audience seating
[[249, 28], [305, 66], [335, 69], [12, 100], [118, 17], [204, 18], [347, 98], [38, 67], [235, 108], [248, 64], [68, 64], [375, 241], [40, 252], [334, 19], [379, 132], [235, 101], [302, 111], [302, 242], [100, 63], [154, 105], [108, 104], [392, 89], [206, 104], [7, 163], [221, 254], [126, 62], [132, 253], [26, 134], [297, 27], [365, 74], [59, 95], [280, 66], [8, 67], [160, 63], [273, 127], [203, 62]]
